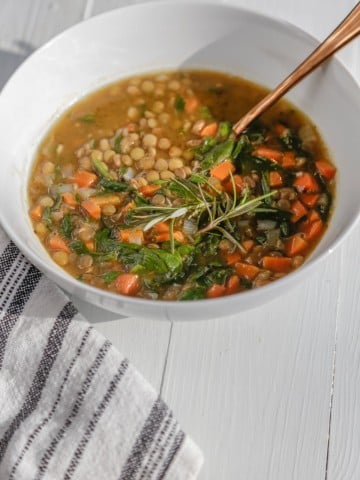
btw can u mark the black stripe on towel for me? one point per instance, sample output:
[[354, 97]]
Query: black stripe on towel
[[44, 462], [51, 350], [17, 305], [95, 419], [144, 440], [47, 418], [159, 446], [178, 440], [7, 258]]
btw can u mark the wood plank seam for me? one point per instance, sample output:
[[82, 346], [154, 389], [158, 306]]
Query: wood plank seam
[[332, 389], [88, 10], [166, 357]]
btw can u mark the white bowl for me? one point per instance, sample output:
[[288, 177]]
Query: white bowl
[[158, 36]]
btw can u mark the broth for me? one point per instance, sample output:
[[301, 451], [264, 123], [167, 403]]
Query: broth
[[141, 188]]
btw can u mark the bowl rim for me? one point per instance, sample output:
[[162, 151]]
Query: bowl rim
[[288, 280]]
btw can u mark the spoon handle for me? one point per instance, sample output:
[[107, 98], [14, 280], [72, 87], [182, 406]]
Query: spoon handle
[[348, 29]]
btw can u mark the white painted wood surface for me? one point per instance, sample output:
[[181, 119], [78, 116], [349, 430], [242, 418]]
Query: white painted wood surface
[[272, 394]]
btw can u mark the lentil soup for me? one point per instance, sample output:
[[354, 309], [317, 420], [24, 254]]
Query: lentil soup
[[143, 189]]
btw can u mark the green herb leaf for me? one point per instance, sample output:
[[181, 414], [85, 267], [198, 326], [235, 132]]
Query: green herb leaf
[[205, 113], [195, 293], [46, 217], [291, 141], [323, 205], [217, 154], [114, 185], [241, 146], [285, 228], [78, 247], [265, 185], [66, 226], [246, 283], [117, 143], [179, 103], [101, 168], [272, 214], [205, 146], [214, 275], [89, 118], [225, 129], [109, 277], [208, 246], [198, 178], [247, 163]]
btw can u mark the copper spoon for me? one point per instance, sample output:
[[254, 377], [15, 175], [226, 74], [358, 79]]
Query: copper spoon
[[348, 29]]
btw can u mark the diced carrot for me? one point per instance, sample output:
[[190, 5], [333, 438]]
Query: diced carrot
[[36, 212], [269, 153], [127, 207], [191, 104], [239, 184], [128, 284], [90, 245], [161, 227], [288, 160], [248, 245], [233, 257], [280, 129], [306, 183], [57, 243], [130, 235], [295, 245], [209, 130], [313, 216], [277, 264], [298, 211], [149, 190], [136, 236], [232, 285], [165, 236], [103, 200], [222, 170], [179, 236], [162, 237], [131, 127], [309, 199], [69, 199], [313, 230], [275, 179], [246, 270], [325, 169], [84, 178], [216, 291], [92, 208], [124, 234]]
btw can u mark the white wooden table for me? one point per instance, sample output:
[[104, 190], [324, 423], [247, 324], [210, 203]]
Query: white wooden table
[[272, 394]]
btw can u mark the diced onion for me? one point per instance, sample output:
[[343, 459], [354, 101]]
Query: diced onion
[[60, 189], [85, 192], [189, 227], [263, 225], [272, 238], [307, 135], [243, 223], [129, 174]]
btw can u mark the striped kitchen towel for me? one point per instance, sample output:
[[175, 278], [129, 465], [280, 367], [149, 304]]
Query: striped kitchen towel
[[71, 406]]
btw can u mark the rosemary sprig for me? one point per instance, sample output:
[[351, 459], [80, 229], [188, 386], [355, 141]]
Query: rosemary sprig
[[202, 203]]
